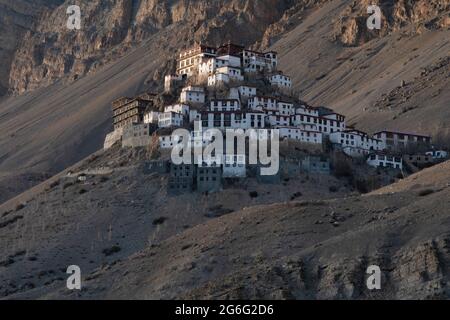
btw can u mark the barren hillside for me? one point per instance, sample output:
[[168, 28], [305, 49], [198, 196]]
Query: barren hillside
[[130, 245], [66, 221], [336, 61]]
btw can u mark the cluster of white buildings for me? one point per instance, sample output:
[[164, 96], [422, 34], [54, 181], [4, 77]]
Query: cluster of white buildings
[[227, 64], [232, 67]]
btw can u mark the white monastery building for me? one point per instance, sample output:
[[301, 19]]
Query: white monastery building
[[261, 103], [224, 105], [295, 133], [182, 109], [280, 80], [170, 119], [394, 139], [356, 143], [232, 120], [189, 60], [246, 91], [384, 160], [193, 95], [254, 61], [151, 117]]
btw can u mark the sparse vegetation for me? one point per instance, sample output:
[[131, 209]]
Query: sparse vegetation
[[185, 247], [425, 192], [4, 214], [296, 195], [217, 211], [253, 194], [20, 207], [159, 221], [10, 221], [54, 184], [361, 185], [110, 251], [67, 185], [342, 166]]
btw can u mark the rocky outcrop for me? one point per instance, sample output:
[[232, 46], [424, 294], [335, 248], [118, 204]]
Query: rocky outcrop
[[49, 51], [430, 83], [289, 20], [351, 28], [16, 18], [110, 28]]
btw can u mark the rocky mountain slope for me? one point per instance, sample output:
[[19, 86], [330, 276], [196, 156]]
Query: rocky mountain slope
[[66, 220], [389, 79], [110, 28], [17, 17], [125, 47], [138, 242]]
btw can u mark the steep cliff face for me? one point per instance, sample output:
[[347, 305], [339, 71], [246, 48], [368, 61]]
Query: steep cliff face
[[351, 29], [110, 28], [16, 18], [50, 51]]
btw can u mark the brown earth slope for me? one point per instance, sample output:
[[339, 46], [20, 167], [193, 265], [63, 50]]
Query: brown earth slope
[[63, 221], [316, 249], [336, 61]]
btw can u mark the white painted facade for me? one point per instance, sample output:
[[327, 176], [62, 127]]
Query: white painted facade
[[229, 60], [261, 103], [170, 80], [151, 117], [437, 154], [224, 105], [170, 119], [182, 109], [275, 119], [194, 95], [232, 120], [209, 66], [189, 60], [299, 134], [356, 143], [304, 110], [232, 72], [247, 91], [324, 125], [285, 108], [218, 79], [386, 161], [281, 81], [257, 61]]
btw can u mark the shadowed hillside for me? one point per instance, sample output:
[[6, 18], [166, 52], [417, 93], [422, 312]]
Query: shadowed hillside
[[135, 243]]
